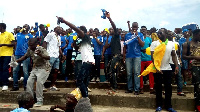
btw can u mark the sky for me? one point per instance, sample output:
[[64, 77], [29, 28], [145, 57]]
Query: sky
[[169, 14]]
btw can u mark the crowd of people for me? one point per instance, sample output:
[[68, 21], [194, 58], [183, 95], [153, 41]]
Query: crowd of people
[[48, 54]]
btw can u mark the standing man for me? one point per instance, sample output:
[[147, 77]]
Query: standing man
[[21, 48], [146, 60], [185, 38], [115, 47], [165, 72], [7, 42], [86, 55], [191, 52], [40, 34], [53, 42], [97, 42], [132, 52]]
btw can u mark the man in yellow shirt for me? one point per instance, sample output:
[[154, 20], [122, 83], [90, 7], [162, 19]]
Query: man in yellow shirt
[[7, 42]]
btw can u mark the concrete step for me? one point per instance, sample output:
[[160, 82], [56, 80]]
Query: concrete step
[[100, 97], [105, 85], [96, 108]]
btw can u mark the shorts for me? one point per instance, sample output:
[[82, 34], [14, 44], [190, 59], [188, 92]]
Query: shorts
[[54, 63], [184, 64]]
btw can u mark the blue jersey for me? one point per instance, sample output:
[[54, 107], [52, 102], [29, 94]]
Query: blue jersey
[[22, 43], [97, 47], [108, 50], [147, 43]]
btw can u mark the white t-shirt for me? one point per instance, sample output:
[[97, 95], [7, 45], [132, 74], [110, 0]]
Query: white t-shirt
[[86, 50], [166, 58], [53, 44], [171, 62]]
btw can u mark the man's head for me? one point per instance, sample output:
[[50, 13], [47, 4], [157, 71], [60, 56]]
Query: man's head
[[162, 34], [25, 100], [26, 28], [119, 30], [177, 30], [196, 34], [32, 43], [135, 26], [96, 30], [91, 30], [83, 28], [42, 27], [111, 31], [123, 35], [185, 32], [58, 30], [170, 35], [153, 30], [70, 30], [94, 34], [2, 27], [71, 101], [143, 30]]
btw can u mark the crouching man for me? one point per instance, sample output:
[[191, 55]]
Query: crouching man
[[40, 71]]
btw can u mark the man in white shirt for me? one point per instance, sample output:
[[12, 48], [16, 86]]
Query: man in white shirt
[[86, 55], [52, 42], [165, 73]]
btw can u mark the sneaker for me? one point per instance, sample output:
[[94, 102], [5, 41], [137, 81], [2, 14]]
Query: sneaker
[[44, 90], [152, 91], [136, 93], [171, 110], [10, 79], [38, 104], [15, 89], [185, 83], [21, 79], [5, 88], [180, 94], [98, 80], [89, 90], [93, 80], [128, 91], [54, 88], [158, 109], [141, 91]]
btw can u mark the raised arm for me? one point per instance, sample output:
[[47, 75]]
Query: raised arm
[[72, 26], [129, 27], [112, 23]]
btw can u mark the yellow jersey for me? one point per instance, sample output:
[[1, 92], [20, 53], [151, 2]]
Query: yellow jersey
[[6, 38]]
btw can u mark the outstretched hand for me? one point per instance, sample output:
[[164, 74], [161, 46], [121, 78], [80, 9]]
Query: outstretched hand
[[60, 19]]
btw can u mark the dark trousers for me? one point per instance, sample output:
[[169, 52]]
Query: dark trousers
[[196, 82], [77, 68], [4, 73], [114, 71], [69, 67], [97, 65], [107, 58], [84, 78], [166, 77]]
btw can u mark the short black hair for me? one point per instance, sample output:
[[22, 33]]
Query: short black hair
[[96, 29], [24, 98], [83, 28], [33, 40], [143, 27], [41, 25], [196, 31], [3, 25]]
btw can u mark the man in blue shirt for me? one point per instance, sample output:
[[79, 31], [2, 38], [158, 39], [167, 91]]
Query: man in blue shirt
[[107, 53], [146, 60], [21, 49], [97, 42], [132, 51], [39, 34], [182, 40], [69, 54]]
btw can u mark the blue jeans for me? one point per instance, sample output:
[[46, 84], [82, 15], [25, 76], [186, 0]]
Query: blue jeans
[[55, 62], [133, 64], [97, 65], [107, 58], [4, 73], [26, 65], [179, 78], [84, 78]]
